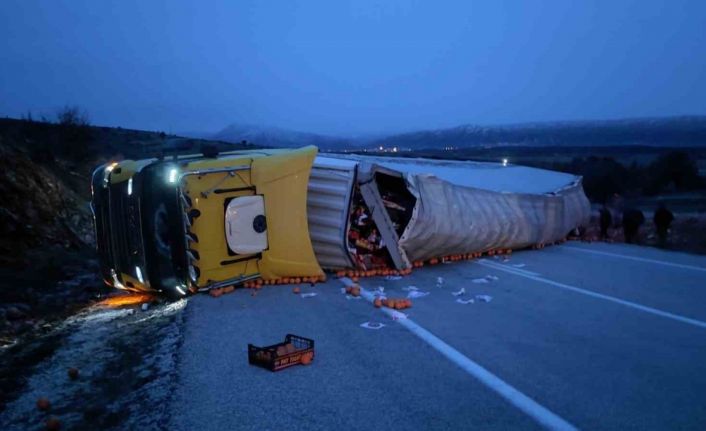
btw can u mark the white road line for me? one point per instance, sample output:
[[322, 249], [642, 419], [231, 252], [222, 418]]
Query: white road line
[[508, 267], [634, 305], [638, 259], [536, 411]]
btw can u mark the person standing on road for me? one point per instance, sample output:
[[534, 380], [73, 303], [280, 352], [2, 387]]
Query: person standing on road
[[662, 218], [605, 219], [632, 220]]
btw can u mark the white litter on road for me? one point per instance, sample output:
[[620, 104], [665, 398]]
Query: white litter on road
[[484, 298], [465, 301], [417, 294], [379, 291], [349, 297], [308, 295], [372, 325], [492, 277], [480, 280], [410, 288], [396, 315], [439, 281], [459, 292], [393, 277], [519, 265]]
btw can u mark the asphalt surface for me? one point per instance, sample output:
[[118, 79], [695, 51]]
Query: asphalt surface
[[599, 340]]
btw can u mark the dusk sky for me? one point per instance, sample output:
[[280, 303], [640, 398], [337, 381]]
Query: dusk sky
[[352, 67]]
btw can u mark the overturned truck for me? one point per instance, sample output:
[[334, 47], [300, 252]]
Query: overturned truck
[[193, 223], [366, 212]]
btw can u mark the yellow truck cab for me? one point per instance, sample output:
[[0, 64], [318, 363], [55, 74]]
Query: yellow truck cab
[[194, 223]]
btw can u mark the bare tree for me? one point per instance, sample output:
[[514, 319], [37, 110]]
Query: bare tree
[[75, 132], [72, 116]]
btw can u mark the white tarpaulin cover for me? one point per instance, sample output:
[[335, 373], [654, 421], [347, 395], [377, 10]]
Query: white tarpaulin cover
[[454, 219]]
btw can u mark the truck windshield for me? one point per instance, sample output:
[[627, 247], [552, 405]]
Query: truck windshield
[[163, 229]]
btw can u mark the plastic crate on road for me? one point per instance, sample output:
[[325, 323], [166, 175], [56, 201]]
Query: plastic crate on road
[[281, 355]]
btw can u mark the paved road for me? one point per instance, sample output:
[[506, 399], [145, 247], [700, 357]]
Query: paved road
[[592, 336]]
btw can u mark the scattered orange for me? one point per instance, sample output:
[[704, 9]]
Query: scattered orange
[[43, 404], [355, 291], [73, 373], [296, 291], [307, 358], [377, 303], [52, 424]]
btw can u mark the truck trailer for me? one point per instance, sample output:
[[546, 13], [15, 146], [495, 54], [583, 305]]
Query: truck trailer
[[194, 223]]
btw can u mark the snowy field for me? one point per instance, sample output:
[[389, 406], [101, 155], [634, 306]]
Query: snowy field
[[587, 336]]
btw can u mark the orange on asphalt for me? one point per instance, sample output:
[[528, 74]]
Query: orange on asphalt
[[307, 358], [43, 404], [73, 373], [52, 424]]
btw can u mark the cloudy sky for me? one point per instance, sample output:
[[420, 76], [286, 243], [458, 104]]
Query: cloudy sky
[[351, 67]]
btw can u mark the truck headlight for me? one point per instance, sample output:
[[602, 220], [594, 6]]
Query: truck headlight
[[138, 273]]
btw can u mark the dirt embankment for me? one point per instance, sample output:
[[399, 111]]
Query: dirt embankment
[[47, 262], [39, 210]]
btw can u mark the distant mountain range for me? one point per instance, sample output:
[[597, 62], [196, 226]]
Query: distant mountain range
[[278, 137], [662, 132]]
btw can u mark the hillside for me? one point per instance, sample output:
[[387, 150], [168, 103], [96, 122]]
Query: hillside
[[45, 178], [688, 131], [662, 132], [278, 137]]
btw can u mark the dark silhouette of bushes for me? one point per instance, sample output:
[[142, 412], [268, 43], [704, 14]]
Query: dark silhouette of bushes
[[70, 137], [675, 171], [74, 132]]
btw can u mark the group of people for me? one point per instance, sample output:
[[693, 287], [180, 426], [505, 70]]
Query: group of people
[[633, 218]]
